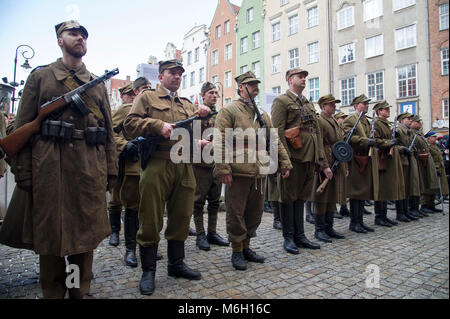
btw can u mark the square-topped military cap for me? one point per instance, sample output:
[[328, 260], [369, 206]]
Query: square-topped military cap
[[293, 71], [329, 98], [126, 89], [360, 99], [140, 81], [170, 64], [416, 118], [206, 87], [381, 105], [70, 25], [247, 77], [339, 115], [404, 115]]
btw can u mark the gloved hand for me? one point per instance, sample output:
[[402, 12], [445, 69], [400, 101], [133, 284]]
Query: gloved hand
[[25, 185], [131, 149], [371, 142]]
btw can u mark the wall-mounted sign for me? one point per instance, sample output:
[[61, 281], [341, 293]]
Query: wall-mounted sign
[[410, 106]]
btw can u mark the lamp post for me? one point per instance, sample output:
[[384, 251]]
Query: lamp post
[[26, 66]]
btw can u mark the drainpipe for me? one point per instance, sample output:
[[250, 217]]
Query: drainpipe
[[429, 66], [330, 51]]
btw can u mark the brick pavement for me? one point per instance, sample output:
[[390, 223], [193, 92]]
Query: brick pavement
[[412, 258]]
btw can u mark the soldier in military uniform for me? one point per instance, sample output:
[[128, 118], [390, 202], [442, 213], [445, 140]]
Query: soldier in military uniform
[[325, 202], [392, 187], [208, 187], [115, 204], [2, 135], [363, 181], [299, 132], [428, 199], [429, 185], [163, 181], [140, 84], [66, 179], [273, 195], [245, 184], [343, 210]]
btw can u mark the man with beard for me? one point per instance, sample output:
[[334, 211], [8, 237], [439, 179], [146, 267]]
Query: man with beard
[[208, 187], [164, 181], [66, 178], [299, 132]]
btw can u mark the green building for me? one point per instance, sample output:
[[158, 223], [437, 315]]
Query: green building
[[250, 41]]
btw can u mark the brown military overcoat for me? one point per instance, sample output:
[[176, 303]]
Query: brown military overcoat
[[427, 172], [409, 163], [69, 179], [440, 166]]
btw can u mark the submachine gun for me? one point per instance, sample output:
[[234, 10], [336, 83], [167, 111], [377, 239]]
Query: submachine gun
[[260, 120], [343, 152]]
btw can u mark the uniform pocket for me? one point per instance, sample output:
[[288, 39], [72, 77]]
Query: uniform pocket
[[161, 112]]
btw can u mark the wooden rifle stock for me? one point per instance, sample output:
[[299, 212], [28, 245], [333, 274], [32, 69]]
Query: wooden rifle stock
[[322, 186], [15, 141]]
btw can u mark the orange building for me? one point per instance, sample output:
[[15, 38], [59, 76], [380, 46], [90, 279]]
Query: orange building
[[222, 50], [113, 86], [439, 63]]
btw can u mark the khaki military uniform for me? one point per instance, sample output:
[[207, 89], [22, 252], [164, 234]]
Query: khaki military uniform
[[439, 163], [162, 181], [67, 205], [427, 170], [2, 135], [409, 164], [245, 197]]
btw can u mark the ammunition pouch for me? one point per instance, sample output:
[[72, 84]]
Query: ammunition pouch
[[423, 157], [382, 161], [95, 135], [293, 136], [362, 161], [57, 129], [307, 118]]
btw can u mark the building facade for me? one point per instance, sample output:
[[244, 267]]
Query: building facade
[[194, 56], [222, 50], [112, 87]]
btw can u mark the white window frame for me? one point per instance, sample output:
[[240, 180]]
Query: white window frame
[[314, 90], [215, 79], [276, 90], [443, 61], [445, 108], [184, 81], [189, 58], [250, 15], [276, 32], [345, 11], [226, 28], [218, 31], [278, 70], [375, 86], [294, 61], [215, 57], [401, 4], [403, 34], [350, 99], [192, 79], [443, 16], [243, 69], [344, 50], [313, 56], [293, 24], [196, 54], [312, 20], [201, 75], [284, 2], [244, 44], [368, 41], [369, 12], [407, 80], [256, 40], [228, 80], [228, 51], [256, 68]]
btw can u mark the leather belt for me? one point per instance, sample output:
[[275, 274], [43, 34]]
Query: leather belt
[[78, 134]]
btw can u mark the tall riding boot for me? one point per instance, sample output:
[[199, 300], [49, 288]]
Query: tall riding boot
[[399, 206], [148, 264], [131, 225], [361, 217], [175, 266], [287, 223], [385, 210], [354, 213], [320, 229], [412, 212], [114, 220], [299, 231], [310, 215], [343, 211], [329, 230], [379, 214], [276, 215]]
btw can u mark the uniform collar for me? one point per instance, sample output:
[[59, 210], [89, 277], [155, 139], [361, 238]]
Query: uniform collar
[[295, 96], [162, 92], [62, 72]]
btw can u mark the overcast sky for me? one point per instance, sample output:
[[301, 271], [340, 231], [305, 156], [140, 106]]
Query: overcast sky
[[121, 33]]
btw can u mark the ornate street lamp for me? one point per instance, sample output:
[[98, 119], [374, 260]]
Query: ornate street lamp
[[26, 66]]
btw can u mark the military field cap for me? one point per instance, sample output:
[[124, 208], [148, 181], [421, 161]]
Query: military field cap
[[404, 115], [329, 98], [430, 134], [381, 105], [70, 25], [247, 77], [140, 82], [416, 118], [360, 99], [170, 64], [293, 71], [339, 115], [206, 87], [126, 89]]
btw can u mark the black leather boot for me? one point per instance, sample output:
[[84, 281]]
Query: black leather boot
[[354, 217], [329, 230], [320, 229], [413, 211], [425, 210], [385, 210], [215, 239], [399, 206], [434, 209], [192, 232], [287, 223], [175, 266], [300, 239], [379, 215], [202, 242], [238, 260], [250, 255], [114, 221], [148, 263], [310, 215], [361, 218], [276, 215], [344, 210], [131, 225]]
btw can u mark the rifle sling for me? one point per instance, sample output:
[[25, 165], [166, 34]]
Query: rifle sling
[[71, 84]]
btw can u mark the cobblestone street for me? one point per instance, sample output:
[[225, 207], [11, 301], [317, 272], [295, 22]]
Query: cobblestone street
[[412, 259]]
